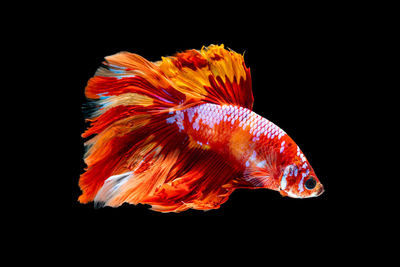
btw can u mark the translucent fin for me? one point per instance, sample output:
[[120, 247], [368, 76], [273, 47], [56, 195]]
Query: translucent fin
[[173, 181], [130, 98], [134, 155], [213, 75]]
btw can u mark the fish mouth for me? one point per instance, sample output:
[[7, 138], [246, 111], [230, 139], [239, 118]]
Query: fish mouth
[[319, 191]]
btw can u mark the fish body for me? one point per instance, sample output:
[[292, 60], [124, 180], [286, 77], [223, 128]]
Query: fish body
[[248, 141], [180, 134]]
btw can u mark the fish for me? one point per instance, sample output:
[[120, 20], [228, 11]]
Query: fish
[[180, 133]]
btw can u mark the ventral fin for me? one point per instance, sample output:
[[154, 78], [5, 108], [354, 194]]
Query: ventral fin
[[260, 171]]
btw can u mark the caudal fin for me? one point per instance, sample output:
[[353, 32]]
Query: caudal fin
[[133, 154]]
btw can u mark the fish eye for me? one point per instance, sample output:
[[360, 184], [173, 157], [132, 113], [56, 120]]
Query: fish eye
[[310, 183]]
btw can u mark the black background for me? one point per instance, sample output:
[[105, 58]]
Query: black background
[[300, 73]]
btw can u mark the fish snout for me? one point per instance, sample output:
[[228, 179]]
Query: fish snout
[[319, 190]]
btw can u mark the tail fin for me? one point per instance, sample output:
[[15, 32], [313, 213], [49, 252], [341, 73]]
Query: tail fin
[[129, 93], [134, 155]]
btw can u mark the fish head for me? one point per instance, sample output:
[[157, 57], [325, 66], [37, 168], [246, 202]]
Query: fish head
[[298, 180]]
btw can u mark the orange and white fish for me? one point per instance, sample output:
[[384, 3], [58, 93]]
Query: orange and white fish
[[179, 133]]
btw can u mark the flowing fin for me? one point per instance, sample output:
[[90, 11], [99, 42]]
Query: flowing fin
[[120, 147], [130, 99], [172, 181], [134, 154], [110, 188], [213, 75]]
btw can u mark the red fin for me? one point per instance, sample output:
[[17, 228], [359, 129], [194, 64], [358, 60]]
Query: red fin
[[213, 75], [108, 152], [172, 180], [128, 79], [283, 193], [130, 98], [135, 154], [201, 185], [260, 175]]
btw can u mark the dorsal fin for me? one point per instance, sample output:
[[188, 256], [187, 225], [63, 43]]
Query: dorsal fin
[[213, 75]]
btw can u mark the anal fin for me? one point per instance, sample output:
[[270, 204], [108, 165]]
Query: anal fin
[[172, 181]]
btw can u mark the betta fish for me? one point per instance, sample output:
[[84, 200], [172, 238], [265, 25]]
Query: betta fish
[[180, 134]]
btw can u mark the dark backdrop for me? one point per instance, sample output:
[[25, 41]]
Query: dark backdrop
[[299, 74]]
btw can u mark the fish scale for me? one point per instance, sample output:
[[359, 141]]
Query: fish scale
[[214, 125]]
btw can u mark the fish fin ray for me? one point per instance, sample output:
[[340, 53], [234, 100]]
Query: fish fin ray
[[213, 75], [128, 80], [130, 100], [261, 176], [180, 183], [199, 186]]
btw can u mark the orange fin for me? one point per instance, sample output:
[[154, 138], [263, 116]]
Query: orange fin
[[213, 75], [129, 98], [119, 147], [283, 193], [200, 182], [262, 174], [134, 155], [172, 180]]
